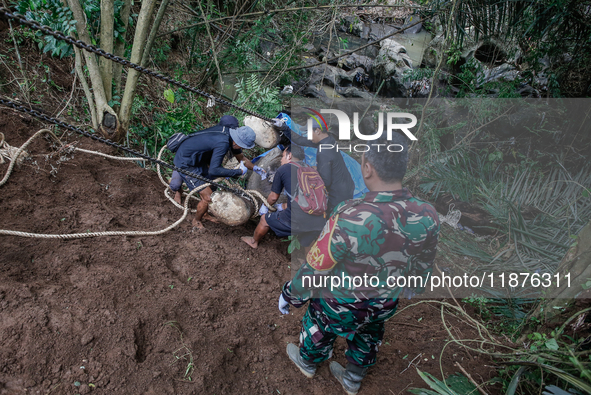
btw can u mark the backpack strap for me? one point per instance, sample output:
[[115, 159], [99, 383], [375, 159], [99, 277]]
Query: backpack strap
[[210, 131], [292, 198]]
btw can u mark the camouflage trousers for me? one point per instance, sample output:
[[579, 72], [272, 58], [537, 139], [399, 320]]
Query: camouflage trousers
[[317, 340]]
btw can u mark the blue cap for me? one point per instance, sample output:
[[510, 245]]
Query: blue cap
[[244, 136], [229, 121]]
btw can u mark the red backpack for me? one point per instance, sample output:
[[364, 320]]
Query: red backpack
[[311, 193]]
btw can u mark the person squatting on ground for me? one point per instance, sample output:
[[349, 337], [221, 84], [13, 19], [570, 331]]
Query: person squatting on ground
[[330, 163], [203, 153], [289, 219], [387, 232]]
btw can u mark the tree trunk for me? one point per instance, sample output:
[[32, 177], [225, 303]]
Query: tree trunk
[[87, 93], [153, 32], [215, 58], [108, 124], [577, 265], [107, 25], [83, 82], [139, 42], [120, 47]]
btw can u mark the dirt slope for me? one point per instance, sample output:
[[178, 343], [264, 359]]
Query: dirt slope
[[125, 315]]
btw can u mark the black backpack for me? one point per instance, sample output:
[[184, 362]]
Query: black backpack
[[175, 141]]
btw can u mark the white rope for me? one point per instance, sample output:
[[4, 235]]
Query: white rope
[[19, 151], [108, 233], [8, 152], [16, 153], [88, 234], [123, 158]]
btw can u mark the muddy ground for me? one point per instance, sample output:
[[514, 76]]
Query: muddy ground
[[127, 315]]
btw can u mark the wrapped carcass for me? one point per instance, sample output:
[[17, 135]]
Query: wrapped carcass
[[266, 135], [229, 208], [270, 163]]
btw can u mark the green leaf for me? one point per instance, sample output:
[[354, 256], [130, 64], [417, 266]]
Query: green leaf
[[515, 381], [460, 384], [169, 95], [438, 386], [552, 345]]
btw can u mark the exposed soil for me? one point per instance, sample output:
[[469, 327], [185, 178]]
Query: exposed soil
[[124, 313]]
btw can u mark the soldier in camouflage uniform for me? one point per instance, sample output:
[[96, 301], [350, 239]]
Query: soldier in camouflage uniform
[[387, 233]]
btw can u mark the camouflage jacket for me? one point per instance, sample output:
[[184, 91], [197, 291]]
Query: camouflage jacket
[[377, 238]]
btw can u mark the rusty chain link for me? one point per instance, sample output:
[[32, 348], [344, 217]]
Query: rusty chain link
[[21, 19], [44, 117]]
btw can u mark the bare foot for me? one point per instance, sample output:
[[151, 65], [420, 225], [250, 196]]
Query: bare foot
[[250, 241], [198, 226], [211, 218], [178, 196]]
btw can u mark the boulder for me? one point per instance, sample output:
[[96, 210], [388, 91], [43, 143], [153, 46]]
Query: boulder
[[504, 72], [324, 53], [411, 19], [432, 52], [354, 61], [378, 31], [333, 76], [390, 65], [352, 24], [315, 92], [352, 91]]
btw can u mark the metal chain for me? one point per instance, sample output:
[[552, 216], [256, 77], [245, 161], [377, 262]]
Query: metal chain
[[65, 125], [21, 19]]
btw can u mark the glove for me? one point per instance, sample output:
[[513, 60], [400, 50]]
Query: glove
[[279, 207], [263, 210], [278, 122], [260, 171], [243, 168], [283, 305]]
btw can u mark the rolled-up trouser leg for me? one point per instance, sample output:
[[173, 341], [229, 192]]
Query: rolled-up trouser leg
[[315, 344], [176, 181]]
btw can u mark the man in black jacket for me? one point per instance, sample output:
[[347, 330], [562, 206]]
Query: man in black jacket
[[330, 163], [203, 154]]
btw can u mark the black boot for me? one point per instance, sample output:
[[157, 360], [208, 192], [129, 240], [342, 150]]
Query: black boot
[[307, 368], [349, 378]]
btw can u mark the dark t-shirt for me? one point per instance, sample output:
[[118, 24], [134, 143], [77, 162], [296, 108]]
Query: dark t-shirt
[[293, 216], [331, 167], [204, 152]]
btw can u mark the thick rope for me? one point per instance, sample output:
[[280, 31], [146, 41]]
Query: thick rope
[[184, 207], [19, 151], [88, 234], [123, 158], [75, 129], [8, 152], [108, 233]]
